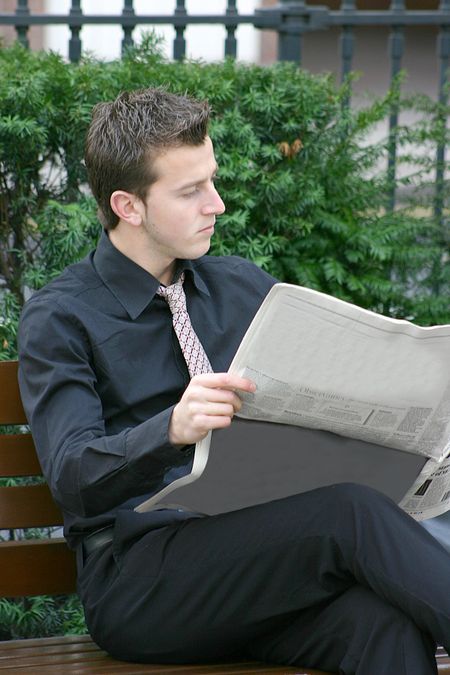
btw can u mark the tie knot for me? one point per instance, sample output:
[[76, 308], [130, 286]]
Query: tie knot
[[174, 295]]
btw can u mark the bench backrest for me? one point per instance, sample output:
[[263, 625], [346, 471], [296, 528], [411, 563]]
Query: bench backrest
[[29, 566]]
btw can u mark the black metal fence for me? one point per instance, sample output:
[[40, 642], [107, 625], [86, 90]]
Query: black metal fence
[[291, 20]]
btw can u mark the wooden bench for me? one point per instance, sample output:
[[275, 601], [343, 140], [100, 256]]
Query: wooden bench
[[47, 567]]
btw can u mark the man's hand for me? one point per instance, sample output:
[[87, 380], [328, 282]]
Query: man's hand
[[209, 402]]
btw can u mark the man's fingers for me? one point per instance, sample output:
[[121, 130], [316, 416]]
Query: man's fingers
[[214, 409], [223, 396], [224, 381], [209, 402], [215, 422]]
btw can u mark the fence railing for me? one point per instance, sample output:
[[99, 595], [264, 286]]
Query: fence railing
[[291, 20]]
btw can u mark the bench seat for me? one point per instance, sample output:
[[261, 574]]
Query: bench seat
[[80, 655]]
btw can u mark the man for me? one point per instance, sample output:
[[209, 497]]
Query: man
[[337, 578]]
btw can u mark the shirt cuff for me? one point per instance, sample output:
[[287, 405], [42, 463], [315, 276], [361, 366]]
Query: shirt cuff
[[148, 445]]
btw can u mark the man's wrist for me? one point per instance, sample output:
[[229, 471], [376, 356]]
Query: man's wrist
[[174, 438]]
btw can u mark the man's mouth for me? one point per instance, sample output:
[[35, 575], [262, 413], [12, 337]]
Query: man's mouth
[[207, 228]]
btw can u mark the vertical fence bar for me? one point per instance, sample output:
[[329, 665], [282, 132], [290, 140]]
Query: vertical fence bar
[[443, 50], [127, 12], [75, 23], [179, 43], [290, 30], [22, 31], [347, 41], [230, 40], [347, 45], [396, 44]]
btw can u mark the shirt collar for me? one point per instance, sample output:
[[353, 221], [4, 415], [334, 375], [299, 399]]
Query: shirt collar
[[189, 267], [130, 284]]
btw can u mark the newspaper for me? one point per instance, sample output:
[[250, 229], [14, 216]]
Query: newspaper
[[322, 363], [429, 496]]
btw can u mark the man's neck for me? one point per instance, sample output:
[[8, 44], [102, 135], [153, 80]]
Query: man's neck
[[134, 247]]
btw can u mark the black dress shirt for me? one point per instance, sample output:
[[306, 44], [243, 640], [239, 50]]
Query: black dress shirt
[[101, 370]]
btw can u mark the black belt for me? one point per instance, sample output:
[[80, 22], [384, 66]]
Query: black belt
[[97, 540], [100, 538]]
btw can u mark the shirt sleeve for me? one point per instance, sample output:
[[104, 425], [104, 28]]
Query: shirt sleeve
[[88, 471]]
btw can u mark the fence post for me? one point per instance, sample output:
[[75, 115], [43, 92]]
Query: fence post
[[22, 10], [443, 53], [396, 42], [127, 12], [75, 23], [230, 40], [179, 43], [293, 15], [347, 45]]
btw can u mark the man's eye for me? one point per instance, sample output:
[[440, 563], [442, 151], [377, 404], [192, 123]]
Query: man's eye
[[191, 193]]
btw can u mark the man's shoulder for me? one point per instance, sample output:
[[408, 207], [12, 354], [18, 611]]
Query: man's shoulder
[[231, 265], [74, 281], [232, 271], [222, 261]]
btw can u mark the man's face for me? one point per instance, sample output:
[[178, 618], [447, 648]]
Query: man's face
[[182, 205]]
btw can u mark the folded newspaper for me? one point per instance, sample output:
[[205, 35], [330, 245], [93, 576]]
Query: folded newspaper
[[342, 393]]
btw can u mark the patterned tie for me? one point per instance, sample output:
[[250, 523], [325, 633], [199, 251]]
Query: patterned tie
[[193, 352]]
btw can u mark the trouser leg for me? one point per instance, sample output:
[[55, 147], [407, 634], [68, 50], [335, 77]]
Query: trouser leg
[[390, 553], [208, 587], [358, 633]]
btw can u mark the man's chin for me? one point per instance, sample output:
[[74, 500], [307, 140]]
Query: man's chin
[[198, 251]]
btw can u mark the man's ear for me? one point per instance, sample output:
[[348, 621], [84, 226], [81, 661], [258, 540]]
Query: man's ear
[[127, 207]]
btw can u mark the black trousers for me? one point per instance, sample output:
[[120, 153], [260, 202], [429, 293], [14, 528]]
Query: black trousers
[[338, 578]]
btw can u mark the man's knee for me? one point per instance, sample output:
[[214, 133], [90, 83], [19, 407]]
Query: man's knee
[[357, 496], [358, 513]]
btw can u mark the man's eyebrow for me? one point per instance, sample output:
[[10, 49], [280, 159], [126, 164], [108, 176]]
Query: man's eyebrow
[[198, 181]]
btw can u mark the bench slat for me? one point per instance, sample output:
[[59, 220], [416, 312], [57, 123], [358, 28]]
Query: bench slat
[[11, 409], [79, 654], [26, 564], [19, 649], [137, 669], [57, 642], [28, 506], [18, 456]]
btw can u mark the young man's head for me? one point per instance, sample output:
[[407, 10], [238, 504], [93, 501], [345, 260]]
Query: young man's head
[[152, 168], [126, 136]]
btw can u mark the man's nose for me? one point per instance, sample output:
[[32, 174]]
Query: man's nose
[[214, 203]]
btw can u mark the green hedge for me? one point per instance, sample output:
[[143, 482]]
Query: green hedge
[[305, 189], [41, 616]]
